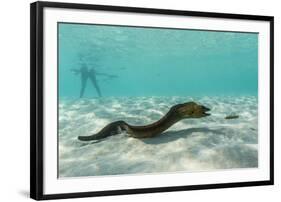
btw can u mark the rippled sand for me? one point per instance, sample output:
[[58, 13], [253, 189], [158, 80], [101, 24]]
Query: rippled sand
[[191, 145]]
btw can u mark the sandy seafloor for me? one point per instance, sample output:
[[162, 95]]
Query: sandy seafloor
[[191, 145]]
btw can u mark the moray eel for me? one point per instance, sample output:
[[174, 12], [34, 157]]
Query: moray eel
[[176, 113]]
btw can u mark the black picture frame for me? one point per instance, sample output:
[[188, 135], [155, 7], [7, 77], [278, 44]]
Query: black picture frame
[[37, 101]]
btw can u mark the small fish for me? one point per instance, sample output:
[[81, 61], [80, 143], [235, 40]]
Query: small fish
[[232, 117]]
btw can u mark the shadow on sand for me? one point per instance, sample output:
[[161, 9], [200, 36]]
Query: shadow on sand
[[171, 136], [91, 142]]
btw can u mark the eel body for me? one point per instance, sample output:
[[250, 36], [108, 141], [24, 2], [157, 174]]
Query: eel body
[[175, 114]]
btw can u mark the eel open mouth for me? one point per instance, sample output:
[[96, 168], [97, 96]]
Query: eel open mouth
[[206, 109]]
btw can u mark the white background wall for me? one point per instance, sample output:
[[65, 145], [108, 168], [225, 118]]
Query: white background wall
[[14, 100]]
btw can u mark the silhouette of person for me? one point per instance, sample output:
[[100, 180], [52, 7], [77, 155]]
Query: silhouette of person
[[86, 74]]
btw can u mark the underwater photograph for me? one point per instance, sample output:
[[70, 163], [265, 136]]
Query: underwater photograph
[[148, 100]]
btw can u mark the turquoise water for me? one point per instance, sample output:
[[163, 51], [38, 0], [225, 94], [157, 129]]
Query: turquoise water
[[141, 74], [157, 61]]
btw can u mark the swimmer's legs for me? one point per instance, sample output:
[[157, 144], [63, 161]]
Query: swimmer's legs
[[83, 86], [95, 83]]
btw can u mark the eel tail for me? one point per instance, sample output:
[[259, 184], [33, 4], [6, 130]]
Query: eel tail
[[113, 128]]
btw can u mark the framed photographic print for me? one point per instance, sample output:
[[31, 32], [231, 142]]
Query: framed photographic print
[[131, 100]]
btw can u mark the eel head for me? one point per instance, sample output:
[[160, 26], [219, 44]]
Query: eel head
[[191, 110]]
